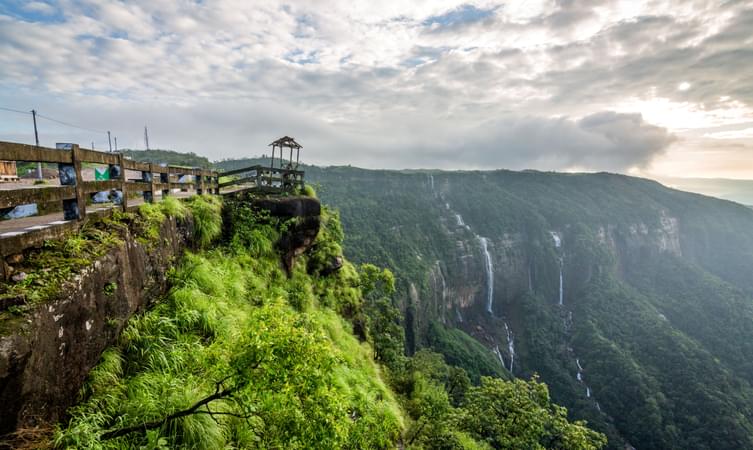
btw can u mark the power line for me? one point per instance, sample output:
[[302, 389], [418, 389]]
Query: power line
[[71, 125], [14, 110], [35, 114]]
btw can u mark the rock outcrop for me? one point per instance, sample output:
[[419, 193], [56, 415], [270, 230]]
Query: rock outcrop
[[46, 355]]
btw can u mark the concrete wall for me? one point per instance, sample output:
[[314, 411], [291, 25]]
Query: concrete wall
[[44, 362]]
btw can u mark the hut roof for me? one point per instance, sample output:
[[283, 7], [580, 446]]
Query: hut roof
[[286, 141]]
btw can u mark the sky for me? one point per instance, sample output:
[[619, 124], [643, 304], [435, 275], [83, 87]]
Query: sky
[[652, 88]]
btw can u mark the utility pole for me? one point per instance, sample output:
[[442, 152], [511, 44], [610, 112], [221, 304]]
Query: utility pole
[[109, 141], [36, 139], [146, 137], [116, 143]]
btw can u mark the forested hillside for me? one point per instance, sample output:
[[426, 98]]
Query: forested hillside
[[632, 301], [242, 354], [169, 157]]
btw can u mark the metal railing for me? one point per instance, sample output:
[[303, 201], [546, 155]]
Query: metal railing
[[74, 191], [265, 179]]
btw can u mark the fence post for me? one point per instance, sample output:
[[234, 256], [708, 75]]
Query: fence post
[[70, 175], [164, 177], [120, 174], [148, 176]]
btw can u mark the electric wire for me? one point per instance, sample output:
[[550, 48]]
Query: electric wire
[[70, 125], [14, 110]]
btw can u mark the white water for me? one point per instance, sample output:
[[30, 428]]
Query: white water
[[577, 362], [510, 346], [588, 392], [562, 290], [460, 316], [431, 181], [557, 240], [499, 356], [459, 218], [579, 377], [558, 244], [489, 274]]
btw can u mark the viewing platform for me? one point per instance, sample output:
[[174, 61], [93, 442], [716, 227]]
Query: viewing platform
[[94, 183]]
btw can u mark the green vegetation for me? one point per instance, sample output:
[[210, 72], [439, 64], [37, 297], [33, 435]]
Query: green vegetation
[[110, 289], [657, 280], [168, 157], [294, 377], [47, 269], [241, 355]]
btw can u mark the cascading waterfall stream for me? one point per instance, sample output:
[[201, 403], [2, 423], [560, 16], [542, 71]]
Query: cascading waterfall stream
[[562, 291], [558, 244], [579, 377], [489, 269], [489, 273], [499, 356], [510, 346]]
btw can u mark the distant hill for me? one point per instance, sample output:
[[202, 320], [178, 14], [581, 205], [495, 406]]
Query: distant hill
[[740, 191], [232, 164], [170, 157], [632, 301]]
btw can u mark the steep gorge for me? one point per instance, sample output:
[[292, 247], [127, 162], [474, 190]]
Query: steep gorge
[[632, 301]]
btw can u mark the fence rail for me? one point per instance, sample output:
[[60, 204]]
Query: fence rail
[[74, 192], [266, 179]]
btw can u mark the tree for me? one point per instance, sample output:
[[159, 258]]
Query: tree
[[519, 415]]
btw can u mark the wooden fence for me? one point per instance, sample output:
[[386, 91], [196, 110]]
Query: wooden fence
[[74, 192], [265, 179]]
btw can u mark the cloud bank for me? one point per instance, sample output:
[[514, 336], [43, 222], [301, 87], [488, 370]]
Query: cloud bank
[[550, 85]]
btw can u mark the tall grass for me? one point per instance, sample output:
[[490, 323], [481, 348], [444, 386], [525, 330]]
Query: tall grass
[[205, 210], [302, 379]]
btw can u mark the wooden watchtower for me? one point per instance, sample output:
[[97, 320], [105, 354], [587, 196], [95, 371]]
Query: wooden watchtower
[[283, 143]]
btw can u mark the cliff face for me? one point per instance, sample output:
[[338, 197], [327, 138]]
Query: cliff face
[[620, 293], [481, 287], [46, 356]]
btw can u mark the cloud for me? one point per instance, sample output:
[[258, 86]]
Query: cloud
[[516, 84], [601, 141]]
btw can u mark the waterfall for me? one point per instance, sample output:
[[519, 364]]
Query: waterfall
[[557, 239], [558, 244], [489, 274], [459, 218], [577, 362], [510, 346], [562, 292], [499, 356], [588, 392], [459, 316], [431, 181]]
